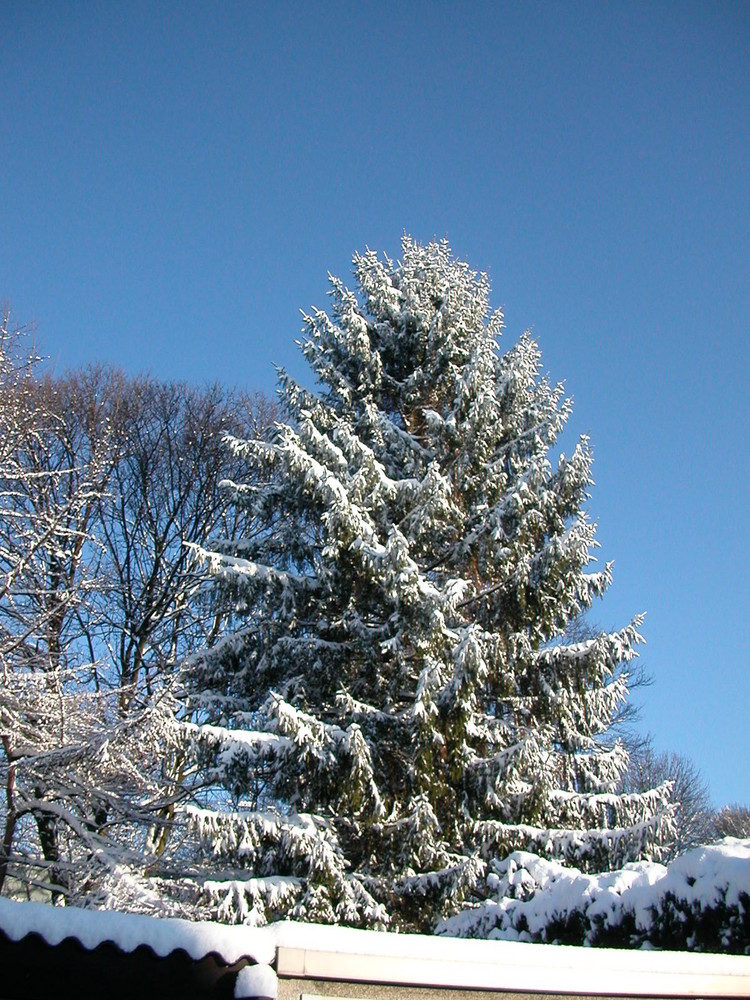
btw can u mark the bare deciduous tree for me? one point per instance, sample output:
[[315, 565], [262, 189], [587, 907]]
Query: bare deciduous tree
[[732, 821], [105, 481], [48, 493], [690, 796], [163, 496]]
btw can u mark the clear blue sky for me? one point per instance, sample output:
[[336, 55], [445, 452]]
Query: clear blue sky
[[177, 179]]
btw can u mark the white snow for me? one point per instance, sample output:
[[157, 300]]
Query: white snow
[[373, 956], [531, 892], [256, 981], [129, 930]]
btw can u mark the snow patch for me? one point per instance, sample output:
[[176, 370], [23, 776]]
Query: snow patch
[[256, 981]]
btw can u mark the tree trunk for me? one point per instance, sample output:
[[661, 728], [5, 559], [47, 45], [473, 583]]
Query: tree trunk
[[11, 818]]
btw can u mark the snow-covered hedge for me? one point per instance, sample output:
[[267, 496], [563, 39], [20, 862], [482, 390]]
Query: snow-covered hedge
[[700, 902]]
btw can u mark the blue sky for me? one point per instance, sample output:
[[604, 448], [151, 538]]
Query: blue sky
[[178, 178]]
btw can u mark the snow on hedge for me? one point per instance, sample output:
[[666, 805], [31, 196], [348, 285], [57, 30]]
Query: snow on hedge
[[701, 902]]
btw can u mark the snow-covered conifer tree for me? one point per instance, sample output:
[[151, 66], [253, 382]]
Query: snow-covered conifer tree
[[402, 704]]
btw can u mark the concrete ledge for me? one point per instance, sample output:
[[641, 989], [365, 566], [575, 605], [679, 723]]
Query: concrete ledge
[[415, 961]]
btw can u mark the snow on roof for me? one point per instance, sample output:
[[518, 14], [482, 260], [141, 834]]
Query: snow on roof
[[129, 930], [309, 950]]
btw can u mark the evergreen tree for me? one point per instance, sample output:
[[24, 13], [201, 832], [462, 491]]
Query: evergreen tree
[[401, 704]]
